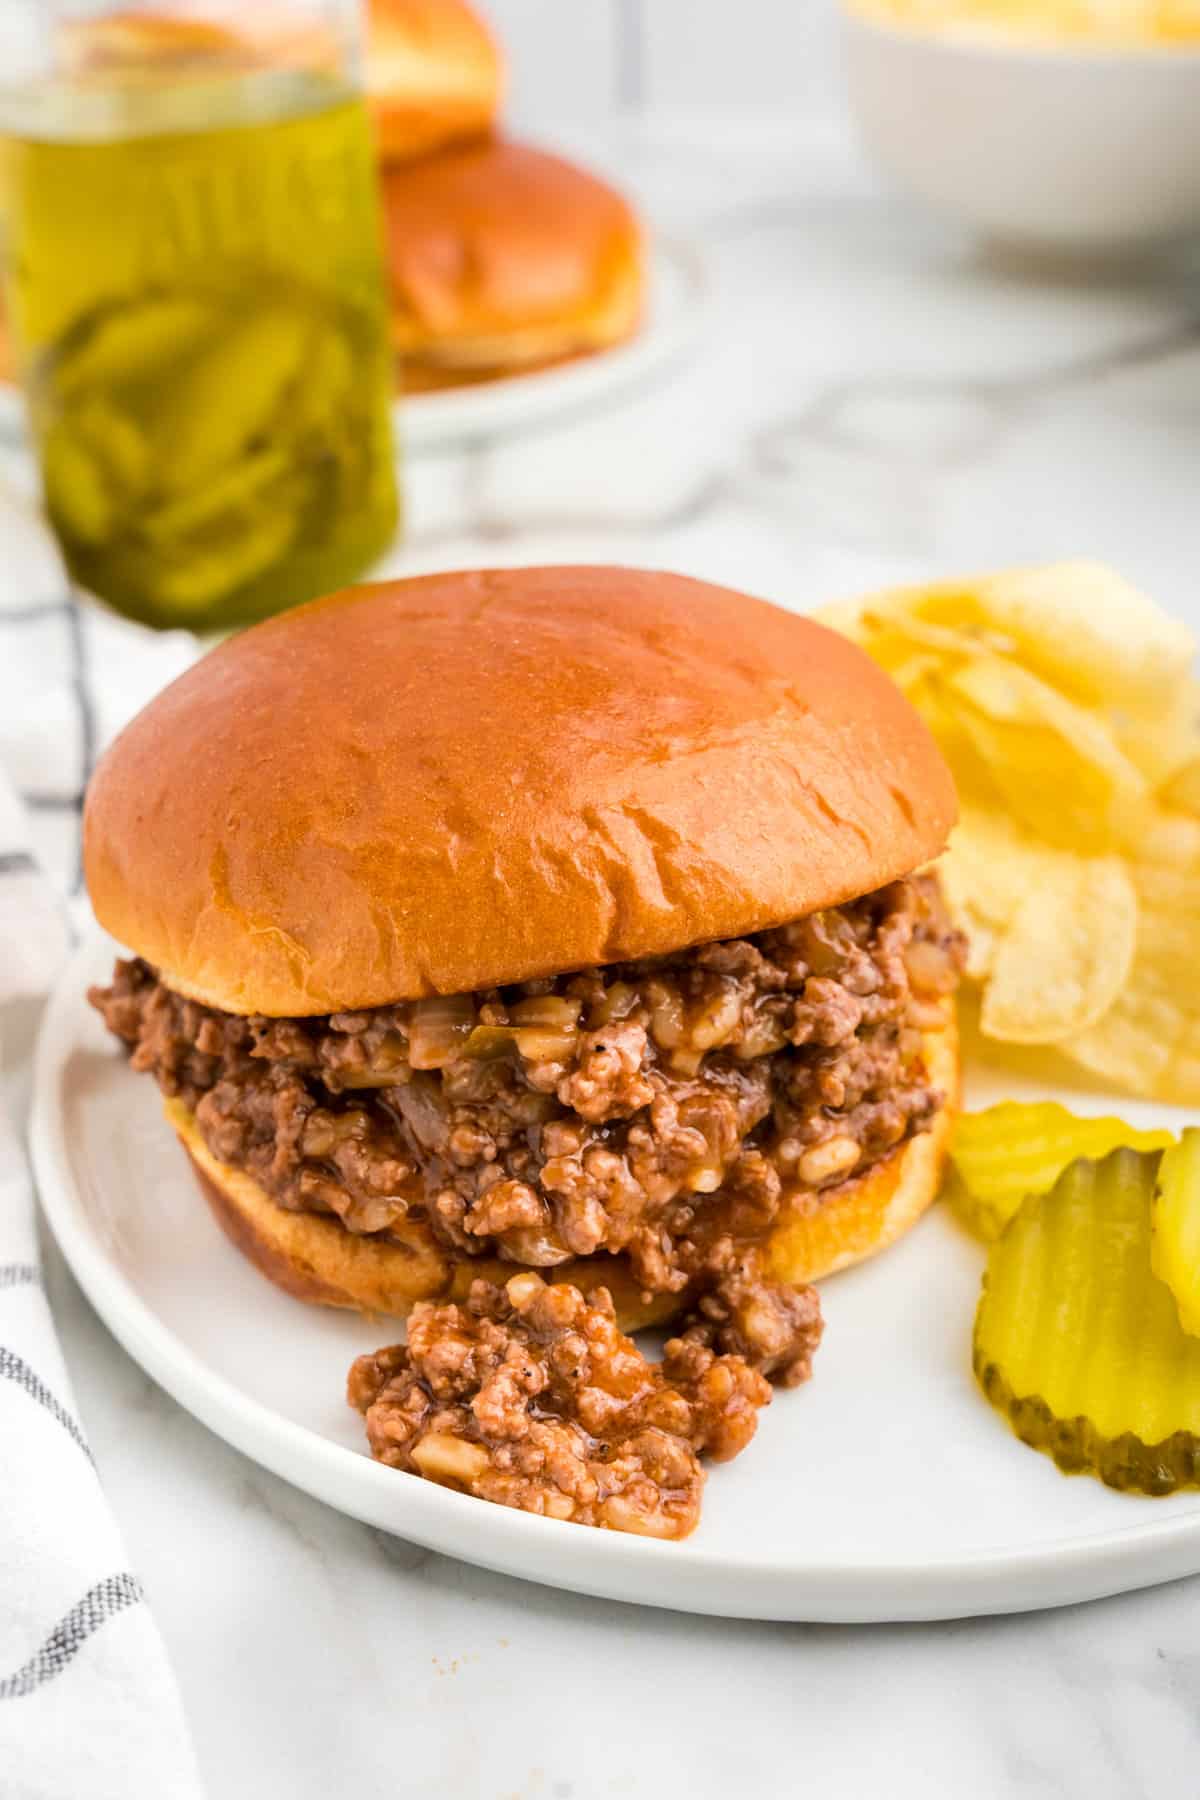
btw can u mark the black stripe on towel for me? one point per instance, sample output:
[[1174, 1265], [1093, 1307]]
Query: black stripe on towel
[[112, 1595], [19, 1274], [29, 615], [16, 862], [53, 803], [15, 1368]]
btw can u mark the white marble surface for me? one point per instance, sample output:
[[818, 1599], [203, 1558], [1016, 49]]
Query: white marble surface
[[880, 401]]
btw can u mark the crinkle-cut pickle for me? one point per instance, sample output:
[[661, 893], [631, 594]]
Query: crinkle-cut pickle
[[1077, 1341], [1007, 1152], [1175, 1244]]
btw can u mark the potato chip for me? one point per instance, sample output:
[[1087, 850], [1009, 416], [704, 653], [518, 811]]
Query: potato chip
[[1012, 695], [1064, 703], [1077, 1341], [990, 863], [983, 843], [1053, 973], [1056, 766], [936, 705], [1015, 1149], [1149, 1040], [1091, 633], [1182, 789], [1059, 799], [1152, 833], [844, 616], [1024, 903], [1163, 744], [908, 670], [893, 624], [948, 615], [1082, 627], [1175, 1240]]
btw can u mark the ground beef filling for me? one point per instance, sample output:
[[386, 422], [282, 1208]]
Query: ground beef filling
[[660, 1110], [530, 1396]]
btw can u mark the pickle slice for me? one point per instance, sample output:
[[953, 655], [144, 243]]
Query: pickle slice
[[1077, 1341], [1175, 1243], [318, 399], [206, 576], [227, 395], [235, 487], [136, 343], [1015, 1149], [78, 498], [118, 444]]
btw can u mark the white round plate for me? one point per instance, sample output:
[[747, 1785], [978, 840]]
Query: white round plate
[[677, 305], [886, 1489]]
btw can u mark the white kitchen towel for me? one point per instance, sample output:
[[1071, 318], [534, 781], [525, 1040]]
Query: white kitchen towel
[[70, 677], [88, 1704]]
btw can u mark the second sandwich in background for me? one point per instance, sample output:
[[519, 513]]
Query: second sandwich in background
[[502, 258]]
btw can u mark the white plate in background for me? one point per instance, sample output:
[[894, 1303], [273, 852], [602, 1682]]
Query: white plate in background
[[885, 1489], [677, 306]]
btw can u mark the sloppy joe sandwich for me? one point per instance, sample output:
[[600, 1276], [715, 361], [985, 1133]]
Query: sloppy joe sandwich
[[504, 258], [567, 920]]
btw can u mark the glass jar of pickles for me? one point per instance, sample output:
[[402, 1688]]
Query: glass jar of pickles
[[196, 294]]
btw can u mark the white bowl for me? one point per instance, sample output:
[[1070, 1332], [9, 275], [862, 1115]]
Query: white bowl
[[1046, 146]]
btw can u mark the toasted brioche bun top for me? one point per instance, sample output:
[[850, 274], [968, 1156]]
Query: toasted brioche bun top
[[433, 785], [495, 238], [434, 74]]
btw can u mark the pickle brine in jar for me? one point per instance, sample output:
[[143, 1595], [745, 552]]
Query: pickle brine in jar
[[196, 291]]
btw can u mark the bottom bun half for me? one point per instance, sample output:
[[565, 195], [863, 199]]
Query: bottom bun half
[[315, 1258]]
